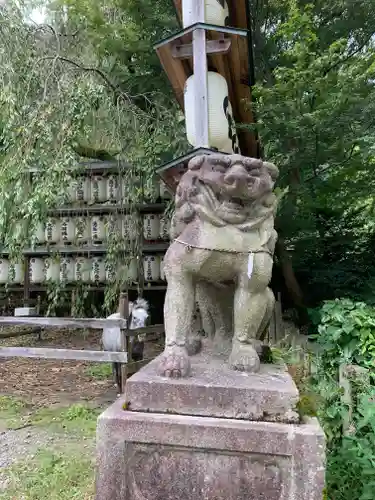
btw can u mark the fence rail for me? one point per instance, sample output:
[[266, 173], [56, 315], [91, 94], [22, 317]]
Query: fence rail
[[124, 357]]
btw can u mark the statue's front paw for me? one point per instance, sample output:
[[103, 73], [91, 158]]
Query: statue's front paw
[[175, 362], [244, 358]]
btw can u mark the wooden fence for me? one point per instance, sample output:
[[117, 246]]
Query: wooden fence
[[124, 356]]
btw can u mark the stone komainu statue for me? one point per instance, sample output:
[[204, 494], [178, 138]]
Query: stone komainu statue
[[222, 231]]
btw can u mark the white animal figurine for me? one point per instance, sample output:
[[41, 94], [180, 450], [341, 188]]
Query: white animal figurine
[[111, 337]]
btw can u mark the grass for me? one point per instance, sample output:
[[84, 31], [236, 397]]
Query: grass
[[63, 471], [52, 476], [75, 419], [100, 371]]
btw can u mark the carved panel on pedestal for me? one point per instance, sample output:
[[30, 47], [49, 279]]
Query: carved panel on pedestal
[[170, 473]]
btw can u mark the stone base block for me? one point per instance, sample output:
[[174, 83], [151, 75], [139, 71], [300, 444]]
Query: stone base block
[[214, 389], [154, 456]]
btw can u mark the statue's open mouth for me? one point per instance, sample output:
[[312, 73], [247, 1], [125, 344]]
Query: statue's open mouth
[[232, 203]]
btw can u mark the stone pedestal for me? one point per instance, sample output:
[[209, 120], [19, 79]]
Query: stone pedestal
[[217, 435]]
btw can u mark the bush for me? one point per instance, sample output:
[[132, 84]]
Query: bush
[[347, 337]]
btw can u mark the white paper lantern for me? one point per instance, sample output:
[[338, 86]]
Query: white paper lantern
[[72, 191], [67, 269], [97, 229], [98, 189], [132, 270], [52, 269], [218, 126], [113, 228], [52, 230], [83, 189], [151, 226], [36, 270], [98, 270], [216, 12], [151, 267], [151, 190], [162, 274], [113, 193], [39, 234], [110, 272], [82, 269], [4, 270], [164, 192], [82, 229], [165, 225], [67, 230], [16, 272], [130, 227], [131, 188]]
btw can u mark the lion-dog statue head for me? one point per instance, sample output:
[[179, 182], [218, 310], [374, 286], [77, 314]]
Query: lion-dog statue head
[[224, 190]]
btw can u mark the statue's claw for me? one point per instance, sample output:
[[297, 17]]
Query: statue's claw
[[244, 358], [175, 362]]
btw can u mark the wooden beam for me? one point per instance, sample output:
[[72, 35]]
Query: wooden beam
[[64, 354], [94, 323], [185, 51]]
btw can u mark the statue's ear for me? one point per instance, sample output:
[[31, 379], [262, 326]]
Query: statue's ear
[[196, 162]]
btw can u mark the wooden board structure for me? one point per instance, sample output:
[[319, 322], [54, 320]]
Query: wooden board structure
[[233, 65]]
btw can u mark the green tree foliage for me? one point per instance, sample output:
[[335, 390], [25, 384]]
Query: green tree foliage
[[315, 101], [86, 83]]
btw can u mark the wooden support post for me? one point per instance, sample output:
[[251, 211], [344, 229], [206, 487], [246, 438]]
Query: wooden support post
[[200, 77], [26, 282], [123, 309]]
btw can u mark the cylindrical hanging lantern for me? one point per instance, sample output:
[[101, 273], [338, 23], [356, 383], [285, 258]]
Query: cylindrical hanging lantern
[[132, 270], [98, 270], [113, 189], [151, 190], [218, 127], [98, 189], [165, 225], [215, 12], [52, 231], [151, 226], [82, 269], [131, 188], [83, 189], [39, 234], [72, 191], [82, 229], [67, 269], [4, 270], [52, 269], [151, 267], [67, 230], [97, 230], [112, 227], [130, 226], [16, 272], [36, 270]]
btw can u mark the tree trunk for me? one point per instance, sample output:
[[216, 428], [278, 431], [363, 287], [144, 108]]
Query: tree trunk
[[290, 278]]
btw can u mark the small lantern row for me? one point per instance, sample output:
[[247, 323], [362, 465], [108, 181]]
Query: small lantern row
[[112, 189], [99, 229], [78, 269]]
